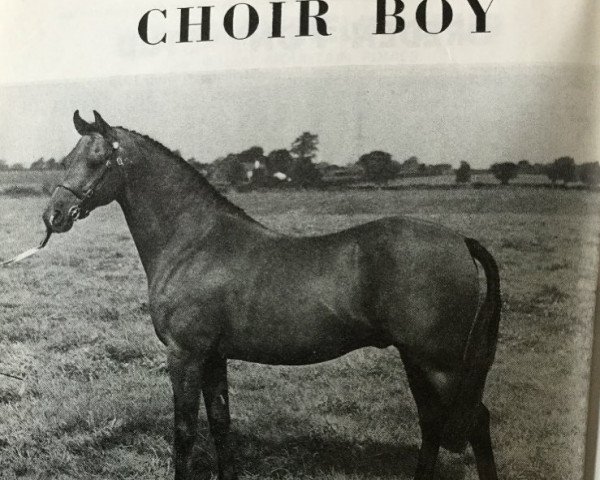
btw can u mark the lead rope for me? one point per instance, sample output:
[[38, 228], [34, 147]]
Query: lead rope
[[75, 212], [30, 252]]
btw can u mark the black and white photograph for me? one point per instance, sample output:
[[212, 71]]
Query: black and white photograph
[[307, 267]]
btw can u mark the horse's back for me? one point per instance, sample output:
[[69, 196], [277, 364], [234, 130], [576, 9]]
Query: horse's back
[[392, 281]]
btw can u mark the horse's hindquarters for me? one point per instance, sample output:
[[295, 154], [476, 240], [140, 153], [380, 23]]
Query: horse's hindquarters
[[423, 291]]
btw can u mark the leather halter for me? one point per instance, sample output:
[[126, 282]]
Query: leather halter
[[82, 210]]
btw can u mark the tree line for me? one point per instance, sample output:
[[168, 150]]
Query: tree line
[[296, 166], [39, 164], [562, 170]]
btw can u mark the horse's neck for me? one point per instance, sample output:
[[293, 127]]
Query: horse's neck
[[166, 206]]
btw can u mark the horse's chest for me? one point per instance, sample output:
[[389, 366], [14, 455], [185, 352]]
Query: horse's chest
[[189, 310]]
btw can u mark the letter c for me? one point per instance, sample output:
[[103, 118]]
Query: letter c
[[143, 27]]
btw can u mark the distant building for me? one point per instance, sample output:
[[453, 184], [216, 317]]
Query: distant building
[[254, 169]]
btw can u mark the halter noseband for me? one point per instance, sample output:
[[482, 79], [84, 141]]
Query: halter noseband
[[82, 210]]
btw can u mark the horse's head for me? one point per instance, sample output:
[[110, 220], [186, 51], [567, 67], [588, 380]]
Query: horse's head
[[92, 177]]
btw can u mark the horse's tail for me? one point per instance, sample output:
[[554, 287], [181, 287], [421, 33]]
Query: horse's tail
[[478, 356]]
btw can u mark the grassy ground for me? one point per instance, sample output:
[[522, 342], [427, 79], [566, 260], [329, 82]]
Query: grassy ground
[[96, 401], [29, 178]]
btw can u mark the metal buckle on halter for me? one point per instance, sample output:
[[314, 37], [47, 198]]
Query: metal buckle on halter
[[74, 212]]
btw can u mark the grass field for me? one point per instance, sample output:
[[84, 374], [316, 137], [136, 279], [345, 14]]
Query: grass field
[[29, 178], [96, 401]]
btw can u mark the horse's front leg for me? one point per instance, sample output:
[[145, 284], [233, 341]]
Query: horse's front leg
[[185, 371], [216, 400]]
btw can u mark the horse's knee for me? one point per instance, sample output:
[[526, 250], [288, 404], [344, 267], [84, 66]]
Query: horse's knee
[[184, 431], [219, 424]]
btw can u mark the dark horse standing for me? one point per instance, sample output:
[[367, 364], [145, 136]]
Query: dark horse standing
[[223, 286]]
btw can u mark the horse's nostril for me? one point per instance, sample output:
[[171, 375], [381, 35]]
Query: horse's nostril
[[56, 217]]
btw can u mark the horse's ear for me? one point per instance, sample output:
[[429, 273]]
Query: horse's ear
[[102, 127], [82, 127]]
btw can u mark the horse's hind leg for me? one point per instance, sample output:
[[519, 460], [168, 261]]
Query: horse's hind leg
[[429, 390], [481, 442]]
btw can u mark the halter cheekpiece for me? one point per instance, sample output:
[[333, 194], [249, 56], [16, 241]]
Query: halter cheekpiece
[[82, 210]]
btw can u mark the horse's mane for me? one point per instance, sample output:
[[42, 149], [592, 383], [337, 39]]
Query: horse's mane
[[203, 183]]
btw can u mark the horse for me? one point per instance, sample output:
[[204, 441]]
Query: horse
[[223, 286]]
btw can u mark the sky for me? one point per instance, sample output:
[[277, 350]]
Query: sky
[[482, 114], [57, 39], [524, 90]]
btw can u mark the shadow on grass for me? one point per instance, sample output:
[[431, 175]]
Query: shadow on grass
[[310, 456], [277, 455]]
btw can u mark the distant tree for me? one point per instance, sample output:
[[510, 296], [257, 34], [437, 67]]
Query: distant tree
[[17, 166], [463, 173], [552, 173], [204, 168], [177, 153], [305, 147], [39, 164], [379, 166], [261, 178], [539, 169], [305, 174], [589, 173], [505, 171], [411, 165], [230, 170], [252, 155], [304, 150], [563, 169], [51, 164], [279, 161], [4, 165], [440, 169], [525, 167]]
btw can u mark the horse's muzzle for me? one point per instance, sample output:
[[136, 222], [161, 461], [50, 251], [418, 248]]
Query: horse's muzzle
[[61, 212], [57, 220]]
